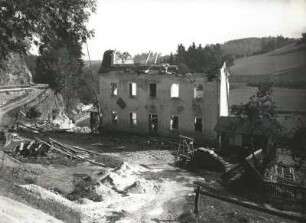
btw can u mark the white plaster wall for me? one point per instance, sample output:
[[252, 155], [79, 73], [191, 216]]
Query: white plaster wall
[[186, 107], [224, 91]]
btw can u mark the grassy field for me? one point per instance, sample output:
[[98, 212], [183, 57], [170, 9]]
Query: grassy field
[[283, 67], [289, 100]]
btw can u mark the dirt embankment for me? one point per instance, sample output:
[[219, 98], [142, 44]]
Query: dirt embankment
[[47, 103], [16, 212]]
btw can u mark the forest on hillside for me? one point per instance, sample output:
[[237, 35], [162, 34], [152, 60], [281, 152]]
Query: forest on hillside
[[252, 46]]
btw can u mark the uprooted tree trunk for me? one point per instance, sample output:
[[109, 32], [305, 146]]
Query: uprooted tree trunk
[[252, 143], [268, 154]]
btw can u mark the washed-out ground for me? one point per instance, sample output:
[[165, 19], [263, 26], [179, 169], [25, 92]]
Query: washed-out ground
[[139, 184]]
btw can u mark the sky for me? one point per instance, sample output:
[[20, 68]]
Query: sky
[[137, 26]]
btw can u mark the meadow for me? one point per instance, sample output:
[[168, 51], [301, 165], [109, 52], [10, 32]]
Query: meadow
[[285, 68]]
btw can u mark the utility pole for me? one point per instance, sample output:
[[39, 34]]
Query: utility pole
[[100, 119]]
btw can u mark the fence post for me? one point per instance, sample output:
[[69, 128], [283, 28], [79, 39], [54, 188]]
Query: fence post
[[2, 163], [197, 201]]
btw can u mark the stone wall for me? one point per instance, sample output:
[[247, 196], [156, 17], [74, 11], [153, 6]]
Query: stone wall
[[186, 107]]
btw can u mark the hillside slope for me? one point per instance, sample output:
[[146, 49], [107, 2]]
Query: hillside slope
[[286, 69], [254, 45], [284, 66]]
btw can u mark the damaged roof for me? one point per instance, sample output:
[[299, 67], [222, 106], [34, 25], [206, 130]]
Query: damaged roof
[[140, 68], [108, 65]]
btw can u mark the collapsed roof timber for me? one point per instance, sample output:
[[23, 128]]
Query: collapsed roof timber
[[115, 61]]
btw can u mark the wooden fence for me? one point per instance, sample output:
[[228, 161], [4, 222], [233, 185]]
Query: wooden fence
[[286, 192], [199, 190]]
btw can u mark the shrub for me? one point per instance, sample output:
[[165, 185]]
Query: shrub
[[33, 112]]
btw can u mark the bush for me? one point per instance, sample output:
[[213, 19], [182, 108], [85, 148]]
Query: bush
[[30, 180], [33, 113]]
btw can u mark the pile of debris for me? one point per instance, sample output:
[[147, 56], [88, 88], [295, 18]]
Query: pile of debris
[[46, 126], [207, 158], [19, 147], [119, 183], [245, 171]]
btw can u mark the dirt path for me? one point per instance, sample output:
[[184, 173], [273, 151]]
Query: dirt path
[[34, 94], [175, 185], [15, 212], [22, 87], [169, 203]]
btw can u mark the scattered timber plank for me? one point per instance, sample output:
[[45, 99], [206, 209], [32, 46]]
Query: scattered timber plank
[[52, 147], [64, 149], [30, 145], [171, 142], [21, 146], [63, 145], [39, 147], [86, 150], [94, 162], [81, 157], [29, 127], [68, 149]]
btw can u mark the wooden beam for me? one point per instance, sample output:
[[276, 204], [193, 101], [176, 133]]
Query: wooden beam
[[291, 216], [197, 200]]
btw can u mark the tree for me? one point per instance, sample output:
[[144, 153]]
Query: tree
[[39, 22], [86, 90], [200, 60], [260, 114], [303, 38], [58, 28], [171, 59], [62, 70], [298, 140]]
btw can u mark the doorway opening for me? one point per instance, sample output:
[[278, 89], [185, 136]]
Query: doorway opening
[[153, 124]]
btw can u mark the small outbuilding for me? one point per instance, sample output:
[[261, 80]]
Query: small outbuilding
[[235, 132]]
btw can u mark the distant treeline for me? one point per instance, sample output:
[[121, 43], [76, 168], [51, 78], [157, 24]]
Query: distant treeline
[[252, 46], [194, 59], [208, 59]]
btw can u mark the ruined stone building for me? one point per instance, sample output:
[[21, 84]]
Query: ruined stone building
[[157, 100]]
